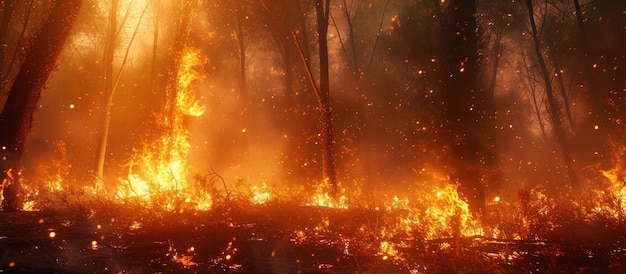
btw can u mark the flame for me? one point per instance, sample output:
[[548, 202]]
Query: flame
[[261, 194], [323, 198], [189, 74], [158, 173], [612, 199], [449, 211]]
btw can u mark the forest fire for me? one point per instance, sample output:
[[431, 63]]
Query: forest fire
[[312, 136], [158, 173]]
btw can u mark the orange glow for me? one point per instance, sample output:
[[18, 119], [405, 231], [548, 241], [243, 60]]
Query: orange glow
[[158, 173], [322, 197]]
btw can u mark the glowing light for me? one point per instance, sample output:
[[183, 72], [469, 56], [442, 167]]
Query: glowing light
[[157, 177], [52, 234], [189, 74], [261, 194], [322, 197]]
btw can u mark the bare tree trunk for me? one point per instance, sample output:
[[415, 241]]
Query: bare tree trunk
[[566, 103], [496, 60], [6, 70], [552, 104], [581, 27], [378, 34], [302, 22], [17, 115], [7, 7], [322, 94], [155, 41], [109, 53], [241, 80], [465, 100], [326, 117], [527, 72], [111, 84]]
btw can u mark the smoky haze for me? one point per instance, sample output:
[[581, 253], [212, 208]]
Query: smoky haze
[[390, 70]]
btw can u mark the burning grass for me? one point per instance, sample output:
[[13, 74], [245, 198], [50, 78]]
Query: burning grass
[[264, 228]]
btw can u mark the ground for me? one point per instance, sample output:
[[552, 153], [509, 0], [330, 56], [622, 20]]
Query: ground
[[272, 238]]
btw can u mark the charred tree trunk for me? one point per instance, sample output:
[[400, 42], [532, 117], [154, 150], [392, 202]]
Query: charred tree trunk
[[17, 115], [7, 69], [7, 7], [553, 107], [465, 101], [326, 117], [241, 82], [581, 27], [322, 93], [496, 59]]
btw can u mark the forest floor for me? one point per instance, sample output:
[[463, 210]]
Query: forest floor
[[272, 238]]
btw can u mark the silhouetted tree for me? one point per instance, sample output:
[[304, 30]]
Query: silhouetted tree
[[322, 92], [111, 80], [280, 18], [239, 19], [464, 101], [17, 114], [12, 46], [553, 106]]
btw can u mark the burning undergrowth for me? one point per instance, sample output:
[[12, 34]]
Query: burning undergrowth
[[164, 216], [267, 228]]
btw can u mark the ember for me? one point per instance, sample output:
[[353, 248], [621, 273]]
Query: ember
[[312, 136]]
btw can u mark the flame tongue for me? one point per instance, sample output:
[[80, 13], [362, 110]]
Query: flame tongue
[[158, 172], [189, 74]]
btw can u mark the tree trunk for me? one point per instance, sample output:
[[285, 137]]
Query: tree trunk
[[17, 115], [465, 101], [109, 53], [241, 80], [155, 43], [581, 27], [326, 117], [7, 69], [553, 107], [7, 7], [496, 60]]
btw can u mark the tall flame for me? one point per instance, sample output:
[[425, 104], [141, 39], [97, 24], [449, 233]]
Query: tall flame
[[158, 173]]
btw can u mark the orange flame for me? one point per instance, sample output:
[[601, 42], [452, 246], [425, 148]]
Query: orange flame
[[158, 173]]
